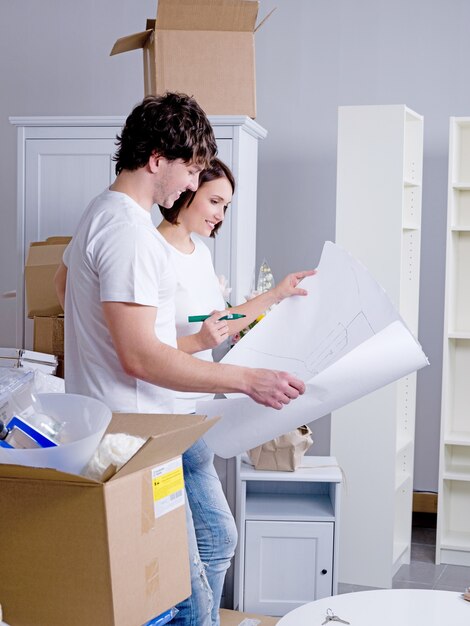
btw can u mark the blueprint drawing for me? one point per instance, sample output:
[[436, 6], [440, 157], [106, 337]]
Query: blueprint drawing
[[344, 339]]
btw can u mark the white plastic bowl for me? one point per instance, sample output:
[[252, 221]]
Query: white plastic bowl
[[85, 421]]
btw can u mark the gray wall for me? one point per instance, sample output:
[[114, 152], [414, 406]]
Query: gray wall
[[311, 57]]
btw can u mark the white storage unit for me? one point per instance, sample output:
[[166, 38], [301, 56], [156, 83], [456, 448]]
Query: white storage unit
[[63, 162], [288, 536], [453, 528], [380, 152]]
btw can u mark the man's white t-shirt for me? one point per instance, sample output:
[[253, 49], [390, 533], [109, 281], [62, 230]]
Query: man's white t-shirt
[[116, 255], [198, 292]]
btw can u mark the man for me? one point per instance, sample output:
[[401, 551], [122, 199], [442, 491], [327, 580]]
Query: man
[[120, 338]]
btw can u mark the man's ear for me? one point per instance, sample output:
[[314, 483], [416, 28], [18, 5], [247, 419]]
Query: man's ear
[[154, 162]]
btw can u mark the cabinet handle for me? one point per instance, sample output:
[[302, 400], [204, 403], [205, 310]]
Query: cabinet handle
[[324, 571]]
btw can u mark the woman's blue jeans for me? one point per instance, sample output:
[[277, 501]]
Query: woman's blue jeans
[[212, 538]]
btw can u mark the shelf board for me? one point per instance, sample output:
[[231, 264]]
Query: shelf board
[[290, 507], [407, 182], [402, 444], [457, 439], [455, 473], [453, 540], [458, 334], [461, 186], [410, 227], [322, 469], [460, 229], [401, 478]]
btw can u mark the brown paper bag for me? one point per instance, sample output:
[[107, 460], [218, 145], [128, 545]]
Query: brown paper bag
[[284, 453]]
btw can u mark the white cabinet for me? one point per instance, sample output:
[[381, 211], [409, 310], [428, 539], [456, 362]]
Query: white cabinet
[[63, 162], [453, 528], [380, 151], [288, 536]]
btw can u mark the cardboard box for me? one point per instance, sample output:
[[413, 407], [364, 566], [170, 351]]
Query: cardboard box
[[41, 265], [79, 552], [48, 335], [204, 48], [234, 618]]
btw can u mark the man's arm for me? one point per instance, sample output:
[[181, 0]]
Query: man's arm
[[143, 356], [60, 279]]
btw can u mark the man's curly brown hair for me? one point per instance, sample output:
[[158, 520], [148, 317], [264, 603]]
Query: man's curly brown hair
[[172, 125]]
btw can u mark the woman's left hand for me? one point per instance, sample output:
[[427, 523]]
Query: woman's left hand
[[288, 285]]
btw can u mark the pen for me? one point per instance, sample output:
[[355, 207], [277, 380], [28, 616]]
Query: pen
[[229, 316]]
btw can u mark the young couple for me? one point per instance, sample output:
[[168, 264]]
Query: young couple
[[128, 291]]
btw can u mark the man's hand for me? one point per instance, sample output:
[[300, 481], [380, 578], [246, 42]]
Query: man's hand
[[273, 389]]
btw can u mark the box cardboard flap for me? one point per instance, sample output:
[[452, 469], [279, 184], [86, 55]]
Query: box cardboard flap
[[265, 19], [222, 15], [160, 448], [131, 42], [56, 239], [151, 424], [25, 472], [42, 253]]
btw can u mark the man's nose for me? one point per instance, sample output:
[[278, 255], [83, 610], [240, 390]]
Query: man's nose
[[194, 182]]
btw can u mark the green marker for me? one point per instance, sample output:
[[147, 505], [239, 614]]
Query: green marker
[[229, 316]]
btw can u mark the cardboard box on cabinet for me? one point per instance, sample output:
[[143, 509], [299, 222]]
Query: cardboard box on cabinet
[[204, 48], [41, 265], [112, 553]]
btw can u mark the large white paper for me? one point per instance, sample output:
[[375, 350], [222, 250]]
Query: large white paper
[[345, 339]]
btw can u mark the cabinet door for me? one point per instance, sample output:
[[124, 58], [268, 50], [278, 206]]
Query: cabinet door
[[286, 564], [62, 176]]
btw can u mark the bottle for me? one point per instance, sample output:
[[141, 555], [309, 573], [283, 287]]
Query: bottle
[[265, 278], [24, 404]]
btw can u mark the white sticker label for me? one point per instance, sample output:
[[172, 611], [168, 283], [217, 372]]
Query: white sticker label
[[168, 486]]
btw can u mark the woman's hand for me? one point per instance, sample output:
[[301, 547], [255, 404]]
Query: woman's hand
[[213, 331], [288, 285]]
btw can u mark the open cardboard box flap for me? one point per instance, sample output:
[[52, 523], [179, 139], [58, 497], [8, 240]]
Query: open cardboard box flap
[[168, 436], [203, 15], [162, 443]]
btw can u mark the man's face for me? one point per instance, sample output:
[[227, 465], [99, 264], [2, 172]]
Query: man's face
[[174, 178]]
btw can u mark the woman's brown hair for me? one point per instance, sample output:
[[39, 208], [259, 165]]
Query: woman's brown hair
[[217, 169]]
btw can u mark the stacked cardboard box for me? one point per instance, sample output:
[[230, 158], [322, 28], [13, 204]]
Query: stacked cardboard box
[[41, 299]]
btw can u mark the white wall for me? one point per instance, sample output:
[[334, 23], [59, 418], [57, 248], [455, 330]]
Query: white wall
[[311, 57]]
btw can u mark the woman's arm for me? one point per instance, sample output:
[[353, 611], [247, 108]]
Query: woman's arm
[[214, 331], [255, 307]]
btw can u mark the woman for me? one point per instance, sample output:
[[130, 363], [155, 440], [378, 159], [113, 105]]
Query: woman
[[201, 213]]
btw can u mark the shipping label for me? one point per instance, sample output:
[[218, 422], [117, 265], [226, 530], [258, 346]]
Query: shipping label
[[168, 486]]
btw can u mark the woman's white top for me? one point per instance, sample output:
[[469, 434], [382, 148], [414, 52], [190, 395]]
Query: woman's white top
[[197, 293]]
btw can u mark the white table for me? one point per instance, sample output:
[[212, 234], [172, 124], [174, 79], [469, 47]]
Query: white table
[[386, 607]]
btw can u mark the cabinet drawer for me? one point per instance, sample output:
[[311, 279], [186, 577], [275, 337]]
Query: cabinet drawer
[[287, 564]]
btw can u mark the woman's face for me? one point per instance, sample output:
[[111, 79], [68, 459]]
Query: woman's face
[[207, 208]]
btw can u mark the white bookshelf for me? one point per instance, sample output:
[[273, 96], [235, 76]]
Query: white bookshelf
[[378, 217], [453, 528]]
